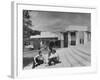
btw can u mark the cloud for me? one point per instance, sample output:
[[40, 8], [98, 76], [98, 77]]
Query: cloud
[[58, 21]]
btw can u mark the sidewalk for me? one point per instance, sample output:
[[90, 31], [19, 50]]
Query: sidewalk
[[69, 57]]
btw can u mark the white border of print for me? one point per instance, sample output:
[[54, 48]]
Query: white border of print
[[17, 52]]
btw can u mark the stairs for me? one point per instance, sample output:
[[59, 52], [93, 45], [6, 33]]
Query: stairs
[[75, 56]]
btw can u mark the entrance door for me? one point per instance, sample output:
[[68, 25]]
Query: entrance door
[[73, 38]]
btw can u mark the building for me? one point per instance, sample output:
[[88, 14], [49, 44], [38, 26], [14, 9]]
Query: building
[[45, 39], [73, 35], [77, 35]]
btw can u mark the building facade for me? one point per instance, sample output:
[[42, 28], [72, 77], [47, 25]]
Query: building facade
[[72, 36]]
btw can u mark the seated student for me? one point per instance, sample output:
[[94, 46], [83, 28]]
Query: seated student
[[53, 58], [39, 59]]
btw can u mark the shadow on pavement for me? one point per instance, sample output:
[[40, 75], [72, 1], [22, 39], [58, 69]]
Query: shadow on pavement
[[27, 61]]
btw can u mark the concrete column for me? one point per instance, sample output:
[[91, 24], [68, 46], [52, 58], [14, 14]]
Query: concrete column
[[77, 38], [62, 43], [69, 39], [89, 36], [62, 40], [85, 37]]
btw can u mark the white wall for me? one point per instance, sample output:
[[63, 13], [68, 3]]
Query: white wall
[[5, 41], [46, 34]]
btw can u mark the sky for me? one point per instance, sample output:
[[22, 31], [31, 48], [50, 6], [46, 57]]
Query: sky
[[58, 21]]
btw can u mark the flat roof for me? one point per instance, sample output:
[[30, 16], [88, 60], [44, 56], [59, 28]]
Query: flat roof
[[77, 28]]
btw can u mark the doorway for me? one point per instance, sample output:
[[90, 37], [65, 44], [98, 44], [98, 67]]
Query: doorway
[[66, 39], [73, 38]]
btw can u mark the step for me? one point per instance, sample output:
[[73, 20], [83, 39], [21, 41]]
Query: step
[[70, 58], [81, 54], [80, 57], [83, 50], [63, 59]]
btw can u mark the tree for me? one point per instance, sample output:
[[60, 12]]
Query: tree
[[26, 23], [27, 32]]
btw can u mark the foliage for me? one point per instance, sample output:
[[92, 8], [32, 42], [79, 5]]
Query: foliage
[[27, 32]]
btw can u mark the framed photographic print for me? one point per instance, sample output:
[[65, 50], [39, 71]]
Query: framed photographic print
[[52, 40]]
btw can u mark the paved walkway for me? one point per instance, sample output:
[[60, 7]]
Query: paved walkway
[[73, 56]]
